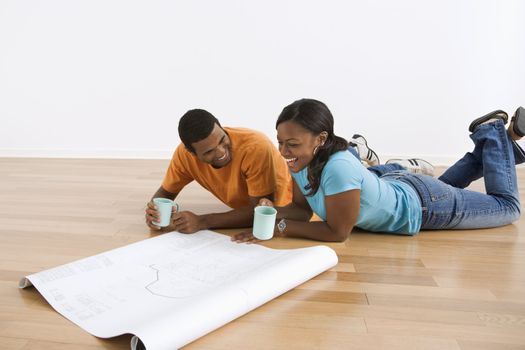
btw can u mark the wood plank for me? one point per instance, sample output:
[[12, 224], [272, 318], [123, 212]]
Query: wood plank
[[12, 343], [439, 330], [437, 303], [385, 278], [478, 345]]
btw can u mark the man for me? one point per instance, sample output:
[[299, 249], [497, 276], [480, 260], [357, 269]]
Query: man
[[239, 166]]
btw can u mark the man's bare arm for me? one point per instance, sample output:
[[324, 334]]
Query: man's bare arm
[[188, 222], [162, 193]]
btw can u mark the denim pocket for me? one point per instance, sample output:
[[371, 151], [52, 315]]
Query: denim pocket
[[436, 190], [440, 202]]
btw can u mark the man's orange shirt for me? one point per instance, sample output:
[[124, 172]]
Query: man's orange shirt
[[256, 169]]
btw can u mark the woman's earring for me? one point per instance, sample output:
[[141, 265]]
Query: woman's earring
[[317, 148]]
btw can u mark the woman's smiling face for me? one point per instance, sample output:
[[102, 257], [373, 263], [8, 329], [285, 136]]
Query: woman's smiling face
[[296, 145]]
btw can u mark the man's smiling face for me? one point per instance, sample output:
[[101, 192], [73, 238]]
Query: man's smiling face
[[214, 149]]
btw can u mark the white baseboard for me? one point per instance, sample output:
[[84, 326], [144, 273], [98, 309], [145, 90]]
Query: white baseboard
[[148, 154], [92, 153], [445, 161], [159, 154]]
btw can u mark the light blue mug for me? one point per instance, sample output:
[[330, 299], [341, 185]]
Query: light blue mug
[[264, 222], [164, 206]]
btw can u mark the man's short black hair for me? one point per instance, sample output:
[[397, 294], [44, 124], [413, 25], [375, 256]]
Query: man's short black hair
[[196, 125]]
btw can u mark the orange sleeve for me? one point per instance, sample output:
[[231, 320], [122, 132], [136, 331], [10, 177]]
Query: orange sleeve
[[259, 168], [178, 175]]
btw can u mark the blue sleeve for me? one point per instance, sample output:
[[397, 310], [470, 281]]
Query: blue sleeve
[[341, 175]]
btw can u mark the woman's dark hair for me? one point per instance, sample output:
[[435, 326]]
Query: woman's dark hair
[[315, 117], [196, 125]]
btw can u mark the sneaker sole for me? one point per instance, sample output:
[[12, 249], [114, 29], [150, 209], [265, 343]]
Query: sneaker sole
[[519, 122], [370, 151], [496, 114]]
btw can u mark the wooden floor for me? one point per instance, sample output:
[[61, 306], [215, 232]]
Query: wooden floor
[[438, 290]]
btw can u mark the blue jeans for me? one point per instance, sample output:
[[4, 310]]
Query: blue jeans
[[447, 205]]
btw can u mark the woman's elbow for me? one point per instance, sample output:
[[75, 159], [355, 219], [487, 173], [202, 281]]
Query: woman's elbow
[[341, 236]]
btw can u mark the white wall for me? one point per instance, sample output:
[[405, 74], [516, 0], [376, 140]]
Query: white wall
[[110, 78]]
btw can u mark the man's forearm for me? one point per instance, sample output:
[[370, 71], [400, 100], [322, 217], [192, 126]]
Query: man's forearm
[[162, 193], [241, 217]]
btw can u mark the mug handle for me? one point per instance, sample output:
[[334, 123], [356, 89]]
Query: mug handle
[[176, 205]]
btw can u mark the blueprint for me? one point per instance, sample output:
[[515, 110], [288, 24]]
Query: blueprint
[[174, 288]]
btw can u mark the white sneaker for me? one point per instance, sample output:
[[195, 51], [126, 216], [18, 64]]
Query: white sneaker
[[367, 155], [414, 165]]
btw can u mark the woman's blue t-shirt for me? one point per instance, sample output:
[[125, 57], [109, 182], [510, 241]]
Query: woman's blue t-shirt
[[386, 205]]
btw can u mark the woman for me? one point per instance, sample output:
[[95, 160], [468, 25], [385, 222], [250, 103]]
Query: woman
[[331, 182]]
